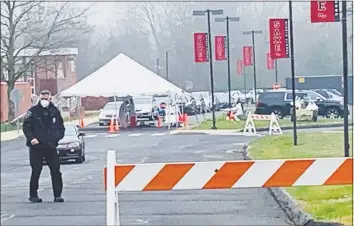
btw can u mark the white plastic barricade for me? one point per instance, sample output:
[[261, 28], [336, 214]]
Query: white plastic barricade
[[274, 127], [220, 175]]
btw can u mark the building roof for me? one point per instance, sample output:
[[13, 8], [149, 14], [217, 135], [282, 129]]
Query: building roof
[[50, 52]]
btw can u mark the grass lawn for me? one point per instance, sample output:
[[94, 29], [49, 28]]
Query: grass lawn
[[222, 123], [12, 126], [325, 203]]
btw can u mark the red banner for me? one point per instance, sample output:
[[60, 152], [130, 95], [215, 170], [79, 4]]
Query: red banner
[[270, 62], [324, 11], [220, 48], [201, 47], [247, 56], [239, 67], [279, 38]]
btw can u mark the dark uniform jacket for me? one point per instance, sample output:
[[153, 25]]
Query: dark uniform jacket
[[44, 124]]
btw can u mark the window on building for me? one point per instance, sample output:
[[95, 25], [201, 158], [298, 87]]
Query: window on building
[[72, 65]]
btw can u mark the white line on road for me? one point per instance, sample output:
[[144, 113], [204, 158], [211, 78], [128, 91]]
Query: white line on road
[[137, 221], [90, 136], [135, 134], [158, 134], [3, 218], [112, 135]]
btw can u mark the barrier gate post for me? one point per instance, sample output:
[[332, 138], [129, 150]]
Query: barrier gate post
[[112, 209]]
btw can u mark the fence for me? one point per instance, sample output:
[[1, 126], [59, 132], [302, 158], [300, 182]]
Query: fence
[[219, 175]]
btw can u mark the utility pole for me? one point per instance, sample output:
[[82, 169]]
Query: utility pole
[[228, 20], [207, 13], [252, 33], [292, 70], [166, 65], [158, 66], [345, 77], [276, 70]]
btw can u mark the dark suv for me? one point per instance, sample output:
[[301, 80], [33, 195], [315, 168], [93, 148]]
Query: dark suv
[[279, 102]]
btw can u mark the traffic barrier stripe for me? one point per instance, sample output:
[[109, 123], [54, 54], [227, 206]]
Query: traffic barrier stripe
[[261, 117], [233, 174]]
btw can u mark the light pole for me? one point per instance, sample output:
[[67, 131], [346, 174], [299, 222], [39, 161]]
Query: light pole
[[345, 77], [276, 70], [291, 34], [203, 13], [252, 33], [228, 20]]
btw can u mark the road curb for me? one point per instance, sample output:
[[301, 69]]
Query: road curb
[[293, 211], [332, 125]]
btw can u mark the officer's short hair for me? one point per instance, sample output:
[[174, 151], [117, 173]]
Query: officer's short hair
[[45, 92]]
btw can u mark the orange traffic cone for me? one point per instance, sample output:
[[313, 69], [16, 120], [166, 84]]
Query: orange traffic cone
[[117, 125], [111, 126], [82, 125], [232, 116], [180, 118]]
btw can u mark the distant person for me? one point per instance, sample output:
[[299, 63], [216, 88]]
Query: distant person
[[43, 127], [123, 110]]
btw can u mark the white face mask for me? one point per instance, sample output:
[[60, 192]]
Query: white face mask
[[44, 103]]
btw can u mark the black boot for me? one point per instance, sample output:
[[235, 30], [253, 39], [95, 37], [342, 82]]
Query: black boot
[[35, 199], [58, 199]]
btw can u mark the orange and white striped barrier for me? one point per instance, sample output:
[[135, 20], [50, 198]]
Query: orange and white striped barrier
[[273, 123], [220, 175]]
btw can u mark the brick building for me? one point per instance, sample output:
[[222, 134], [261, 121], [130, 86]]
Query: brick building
[[54, 70]]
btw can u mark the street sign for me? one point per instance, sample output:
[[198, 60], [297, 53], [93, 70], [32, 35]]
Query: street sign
[[15, 97]]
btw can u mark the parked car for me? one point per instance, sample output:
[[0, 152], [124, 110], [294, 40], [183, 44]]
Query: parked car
[[329, 94], [111, 109], [279, 102], [327, 107], [146, 108], [72, 146], [223, 99]]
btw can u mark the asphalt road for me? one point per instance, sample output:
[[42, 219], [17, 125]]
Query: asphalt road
[[85, 197], [192, 119]]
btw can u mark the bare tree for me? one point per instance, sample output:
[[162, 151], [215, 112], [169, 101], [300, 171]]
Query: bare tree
[[149, 17], [29, 28]]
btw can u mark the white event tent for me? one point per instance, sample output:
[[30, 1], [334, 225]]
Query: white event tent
[[121, 76]]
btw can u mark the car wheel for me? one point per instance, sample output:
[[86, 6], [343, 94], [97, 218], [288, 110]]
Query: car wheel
[[332, 112], [278, 112], [100, 124]]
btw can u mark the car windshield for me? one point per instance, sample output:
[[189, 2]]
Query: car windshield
[[70, 130], [335, 92], [112, 105], [323, 93], [142, 100], [314, 95]]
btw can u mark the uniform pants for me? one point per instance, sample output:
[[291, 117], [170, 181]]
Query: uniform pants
[[36, 161]]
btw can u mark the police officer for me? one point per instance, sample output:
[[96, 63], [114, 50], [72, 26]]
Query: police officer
[[43, 127]]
